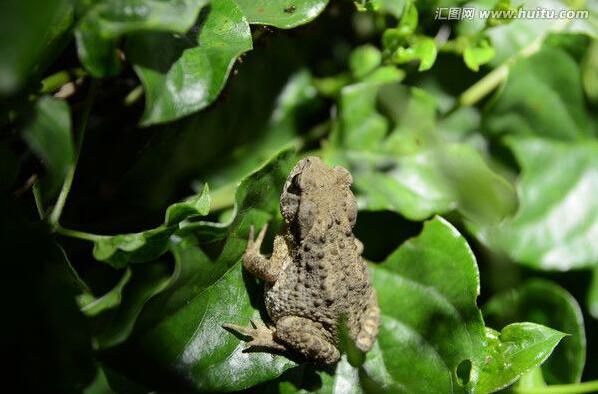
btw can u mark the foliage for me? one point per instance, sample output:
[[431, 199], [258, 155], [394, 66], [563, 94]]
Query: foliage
[[472, 145]]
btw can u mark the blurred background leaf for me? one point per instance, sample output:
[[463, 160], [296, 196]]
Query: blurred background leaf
[[33, 35]]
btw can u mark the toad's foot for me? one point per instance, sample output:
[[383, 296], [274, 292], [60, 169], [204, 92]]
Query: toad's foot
[[260, 334]]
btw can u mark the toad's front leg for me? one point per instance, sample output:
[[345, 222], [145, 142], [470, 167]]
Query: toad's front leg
[[264, 268]]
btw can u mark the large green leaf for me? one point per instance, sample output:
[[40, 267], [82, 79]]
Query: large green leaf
[[411, 170], [427, 291], [184, 73], [180, 329], [543, 96], [545, 303], [122, 249], [281, 13], [104, 22], [32, 32], [558, 213], [48, 134]]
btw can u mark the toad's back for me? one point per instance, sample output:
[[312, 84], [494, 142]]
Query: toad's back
[[325, 276]]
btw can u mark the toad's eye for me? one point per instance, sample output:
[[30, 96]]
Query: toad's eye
[[295, 187]]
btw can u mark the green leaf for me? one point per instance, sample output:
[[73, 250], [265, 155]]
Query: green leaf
[[424, 50], [518, 348], [114, 325], [180, 329], [543, 96], [411, 171], [546, 303], [33, 33], [593, 295], [558, 213], [432, 336], [589, 77], [92, 306], [409, 19], [106, 21], [477, 54], [99, 385], [122, 249], [283, 14], [191, 339], [183, 74], [393, 7], [48, 134], [359, 124], [364, 60], [340, 379]]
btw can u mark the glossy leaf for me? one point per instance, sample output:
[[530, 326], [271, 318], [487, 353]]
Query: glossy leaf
[[434, 277], [122, 249], [543, 96], [558, 213], [182, 74], [545, 303], [48, 134], [105, 22], [181, 328], [518, 348], [283, 14]]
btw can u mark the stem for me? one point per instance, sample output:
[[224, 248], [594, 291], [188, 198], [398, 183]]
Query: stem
[[78, 234], [484, 86], [55, 81], [37, 196], [577, 388], [133, 96], [68, 180], [493, 79]]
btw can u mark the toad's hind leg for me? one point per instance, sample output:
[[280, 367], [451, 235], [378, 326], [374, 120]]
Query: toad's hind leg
[[307, 337], [260, 266], [369, 324], [260, 334]]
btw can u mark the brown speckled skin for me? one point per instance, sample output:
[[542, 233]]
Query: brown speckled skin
[[316, 273]]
